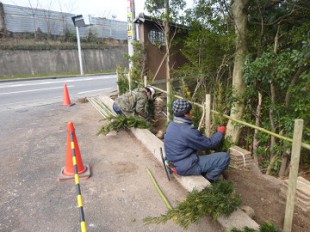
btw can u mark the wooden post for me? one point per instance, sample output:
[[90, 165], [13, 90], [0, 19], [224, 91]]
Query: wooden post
[[208, 115], [295, 157], [145, 81], [168, 99]]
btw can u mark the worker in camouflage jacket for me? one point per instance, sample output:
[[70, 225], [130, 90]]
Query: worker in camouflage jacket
[[134, 102]]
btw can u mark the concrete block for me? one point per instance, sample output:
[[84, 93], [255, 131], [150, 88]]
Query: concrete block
[[150, 141], [248, 210], [193, 182], [237, 219]]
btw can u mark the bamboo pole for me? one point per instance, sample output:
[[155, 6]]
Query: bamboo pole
[[208, 115], [202, 117], [295, 157], [158, 189]]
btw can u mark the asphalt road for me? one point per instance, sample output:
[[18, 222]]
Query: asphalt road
[[19, 94], [117, 197]]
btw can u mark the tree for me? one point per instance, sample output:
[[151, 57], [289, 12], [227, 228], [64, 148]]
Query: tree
[[208, 48], [270, 79], [239, 11], [166, 12], [278, 69]]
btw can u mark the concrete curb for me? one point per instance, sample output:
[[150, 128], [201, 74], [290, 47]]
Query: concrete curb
[[237, 219]]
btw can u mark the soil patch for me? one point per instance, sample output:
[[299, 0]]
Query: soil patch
[[261, 193]]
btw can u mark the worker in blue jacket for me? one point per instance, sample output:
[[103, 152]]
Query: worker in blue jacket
[[183, 140]]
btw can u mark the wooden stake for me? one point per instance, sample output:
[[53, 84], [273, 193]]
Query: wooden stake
[[145, 81], [208, 115], [295, 157]]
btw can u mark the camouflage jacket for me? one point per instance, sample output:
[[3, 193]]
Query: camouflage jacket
[[134, 102]]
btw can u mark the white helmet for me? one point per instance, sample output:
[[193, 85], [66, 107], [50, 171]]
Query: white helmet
[[152, 90]]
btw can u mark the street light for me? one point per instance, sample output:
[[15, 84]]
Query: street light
[[78, 21]]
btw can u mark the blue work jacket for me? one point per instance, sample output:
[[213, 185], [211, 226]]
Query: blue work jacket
[[183, 140]]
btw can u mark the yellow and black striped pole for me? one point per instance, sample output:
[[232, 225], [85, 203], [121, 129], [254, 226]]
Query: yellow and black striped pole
[[77, 183]]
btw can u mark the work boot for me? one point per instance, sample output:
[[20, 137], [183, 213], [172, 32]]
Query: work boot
[[221, 178], [225, 174]]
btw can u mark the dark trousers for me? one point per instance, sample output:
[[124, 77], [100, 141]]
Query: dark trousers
[[116, 109], [211, 166]]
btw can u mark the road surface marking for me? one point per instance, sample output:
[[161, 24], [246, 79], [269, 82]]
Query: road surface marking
[[90, 91], [11, 85], [33, 90]]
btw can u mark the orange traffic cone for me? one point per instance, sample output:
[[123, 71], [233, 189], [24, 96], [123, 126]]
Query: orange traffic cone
[[67, 101], [68, 172]]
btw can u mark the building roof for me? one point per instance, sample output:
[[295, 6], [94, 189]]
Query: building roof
[[142, 18]]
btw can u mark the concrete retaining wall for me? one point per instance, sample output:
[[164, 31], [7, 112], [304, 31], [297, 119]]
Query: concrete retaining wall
[[26, 62]]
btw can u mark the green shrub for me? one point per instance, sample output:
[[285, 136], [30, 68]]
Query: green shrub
[[218, 200], [121, 122]]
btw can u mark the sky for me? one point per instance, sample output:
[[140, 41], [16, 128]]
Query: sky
[[116, 9]]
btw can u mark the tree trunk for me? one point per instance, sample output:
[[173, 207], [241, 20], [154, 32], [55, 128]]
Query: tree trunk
[[257, 123], [284, 169], [284, 162], [239, 8], [167, 37], [273, 103], [273, 129]]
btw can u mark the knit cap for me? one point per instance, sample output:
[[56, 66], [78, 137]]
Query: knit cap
[[181, 107]]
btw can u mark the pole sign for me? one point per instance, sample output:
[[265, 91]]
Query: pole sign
[[130, 15], [78, 21]]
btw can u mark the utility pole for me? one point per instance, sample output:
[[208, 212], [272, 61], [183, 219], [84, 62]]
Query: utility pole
[[131, 29], [131, 35], [79, 51], [78, 21]]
